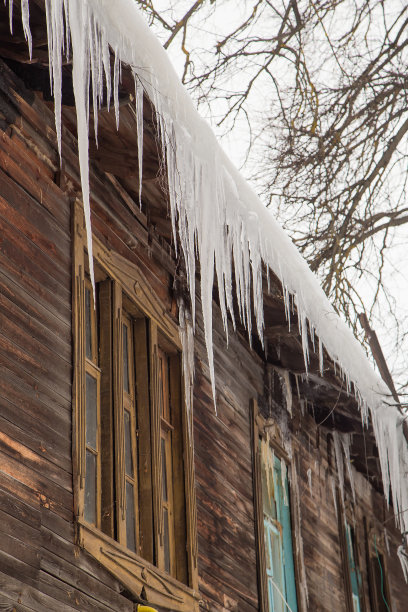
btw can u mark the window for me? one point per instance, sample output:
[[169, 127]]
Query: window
[[133, 458], [276, 567], [353, 571], [380, 598], [349, 539], [380, 592]]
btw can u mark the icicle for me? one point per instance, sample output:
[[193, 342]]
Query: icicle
[[320, 356], [78, 17], [284, 481], [403, 557], [25, 16], [116, 81], [187, 343], [333, 488], [139, 127], [11, 15], [339, 463], [268, 460], [309, 479], [288, 391], [387, 541], [55, 24], [346, 443]]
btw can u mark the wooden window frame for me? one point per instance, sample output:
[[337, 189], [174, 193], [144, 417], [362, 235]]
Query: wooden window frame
[[258, 431], [106, 540], [371, 532]]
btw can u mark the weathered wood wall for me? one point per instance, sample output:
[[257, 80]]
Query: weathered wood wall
[[40, 566]]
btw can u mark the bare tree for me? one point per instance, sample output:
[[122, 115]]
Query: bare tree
[[322, 87]]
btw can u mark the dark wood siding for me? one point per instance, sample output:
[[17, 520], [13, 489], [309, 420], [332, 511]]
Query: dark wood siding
[[41, 567]]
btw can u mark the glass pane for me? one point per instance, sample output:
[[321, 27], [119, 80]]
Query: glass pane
[[126, 385], [90, 488], [130, 517], [166, 540], [91, 411], [128, 445], [88, 324], [164, 470]]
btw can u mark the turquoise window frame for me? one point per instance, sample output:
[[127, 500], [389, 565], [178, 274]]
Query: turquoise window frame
[[280, 567], [354, 573]]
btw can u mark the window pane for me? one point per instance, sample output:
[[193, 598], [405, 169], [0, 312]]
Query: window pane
[[88, 324], [126, 385], [130, 517], [166, 538], [164, 470], [90, 488], [91, 411], [128, 445]]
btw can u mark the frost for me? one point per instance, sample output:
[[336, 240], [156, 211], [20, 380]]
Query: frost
[[217, 219]]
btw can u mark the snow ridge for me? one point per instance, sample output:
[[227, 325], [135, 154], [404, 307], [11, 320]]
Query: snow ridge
[[215, 214]]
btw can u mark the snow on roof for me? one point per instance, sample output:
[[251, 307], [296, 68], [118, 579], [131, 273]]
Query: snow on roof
[[214, 212]]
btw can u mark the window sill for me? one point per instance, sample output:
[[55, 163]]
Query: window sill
[[135, 573]]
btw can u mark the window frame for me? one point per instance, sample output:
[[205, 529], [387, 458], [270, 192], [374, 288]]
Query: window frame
[[375, 545], [350, 558], [146, 580], [258, 432]]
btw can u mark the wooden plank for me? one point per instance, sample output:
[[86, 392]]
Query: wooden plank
[[58, 584], [88, 589], [26, 258], [18, 509], [56, 379], [32, 395], [49, 493], [23, 326], [22, 274], [144, 440], [16, 447], [37, 311], [36, 437], [31, 218], [44, 422], [22, 167], [107, 430]]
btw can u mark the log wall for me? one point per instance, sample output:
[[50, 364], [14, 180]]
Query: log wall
[[41, 568]]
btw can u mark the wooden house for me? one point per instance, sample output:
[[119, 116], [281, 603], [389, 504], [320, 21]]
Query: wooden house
[[122, 486]]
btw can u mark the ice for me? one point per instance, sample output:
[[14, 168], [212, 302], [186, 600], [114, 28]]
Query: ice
[[346, 440], [217, 219], [268, 460], [187, 344], [403, 557], [284, 479], [339, 462], [25, 17], [309, 480]]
